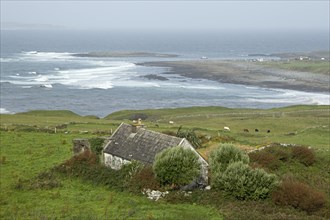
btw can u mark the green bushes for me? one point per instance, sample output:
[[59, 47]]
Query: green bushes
[[87, 167], [221, 157], [96, 145], [133, 176], [144, 179], [298, 195], [231, 173], [176, 166], [243, 182], [191, 136]]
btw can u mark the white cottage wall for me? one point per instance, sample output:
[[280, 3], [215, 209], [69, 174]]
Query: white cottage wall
[[114, 162]]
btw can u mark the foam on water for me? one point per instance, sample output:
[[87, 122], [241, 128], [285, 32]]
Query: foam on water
[[45, 56], [60, 74], [291, 97], [97, 74], [8, 60], [99, 77], [4, 111], [41, 78], [101, 74]]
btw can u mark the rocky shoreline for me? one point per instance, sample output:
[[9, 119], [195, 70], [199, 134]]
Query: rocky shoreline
[[246, 73]]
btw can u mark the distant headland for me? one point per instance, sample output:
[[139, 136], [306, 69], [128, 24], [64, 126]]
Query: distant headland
[[123, 54], [312, 55]]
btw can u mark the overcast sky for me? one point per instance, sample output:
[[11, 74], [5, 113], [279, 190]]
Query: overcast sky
[[164, 15]]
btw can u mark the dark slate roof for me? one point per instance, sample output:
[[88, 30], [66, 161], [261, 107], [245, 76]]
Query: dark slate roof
[[141, 146]]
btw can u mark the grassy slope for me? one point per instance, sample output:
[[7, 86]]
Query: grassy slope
[[308, 125], [28, 153]]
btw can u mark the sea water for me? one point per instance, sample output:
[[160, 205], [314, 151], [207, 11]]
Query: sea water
[[39, 70]]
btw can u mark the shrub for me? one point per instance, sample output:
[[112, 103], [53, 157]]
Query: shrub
[[130, 169], [45, 180], [191, 136], [304, 155], [85, 158], [245, 183], [96, 145], [144, 179], [85, 166], [265, 159], [176, 166], [298, 195], [225, 154], [281, 153]]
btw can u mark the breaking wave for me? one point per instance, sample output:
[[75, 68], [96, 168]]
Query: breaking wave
[[4, 111], [45, 56], [291, 97], [62, 74]]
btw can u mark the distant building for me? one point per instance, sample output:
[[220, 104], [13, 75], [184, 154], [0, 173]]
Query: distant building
[[134, 142], [304, 58]]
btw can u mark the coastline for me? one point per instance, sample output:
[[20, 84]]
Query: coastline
[[246, 73], [123, 54]]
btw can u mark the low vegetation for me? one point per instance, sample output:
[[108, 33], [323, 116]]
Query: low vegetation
[[230, 172], [176, 166], [36, 185], [299, 195], [242, 182], [320, 66], [190, 135], [41, 180], [275, 156], [224, 155], [305, 155]]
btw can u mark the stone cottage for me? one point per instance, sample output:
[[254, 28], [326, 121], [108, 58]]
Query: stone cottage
[[134, 142]]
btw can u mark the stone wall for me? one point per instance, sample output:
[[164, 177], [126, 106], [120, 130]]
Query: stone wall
[[80, 145]]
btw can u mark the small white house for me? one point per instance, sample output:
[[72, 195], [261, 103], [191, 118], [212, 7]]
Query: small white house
[[133, 142]]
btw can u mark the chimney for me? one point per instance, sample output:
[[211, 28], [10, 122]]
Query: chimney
[[136, 125]]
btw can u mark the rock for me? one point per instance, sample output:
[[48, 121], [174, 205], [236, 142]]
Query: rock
[[155, 77], [154, 194], [190, 186], [207, 188], [80, 145]]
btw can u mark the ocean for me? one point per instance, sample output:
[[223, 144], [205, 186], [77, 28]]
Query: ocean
[[39, 70]]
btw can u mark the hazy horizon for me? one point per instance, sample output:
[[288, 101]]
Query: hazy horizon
[[165, 15]]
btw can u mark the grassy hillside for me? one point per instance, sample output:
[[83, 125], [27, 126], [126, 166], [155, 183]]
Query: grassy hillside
[[30, 147], [26, 155]]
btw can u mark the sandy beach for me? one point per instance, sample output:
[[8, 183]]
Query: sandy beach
[[247, 73]]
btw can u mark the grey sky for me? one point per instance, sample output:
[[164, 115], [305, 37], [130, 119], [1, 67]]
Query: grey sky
[[215, 15]]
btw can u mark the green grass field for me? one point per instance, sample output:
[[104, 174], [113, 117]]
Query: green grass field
[[30, 146]]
